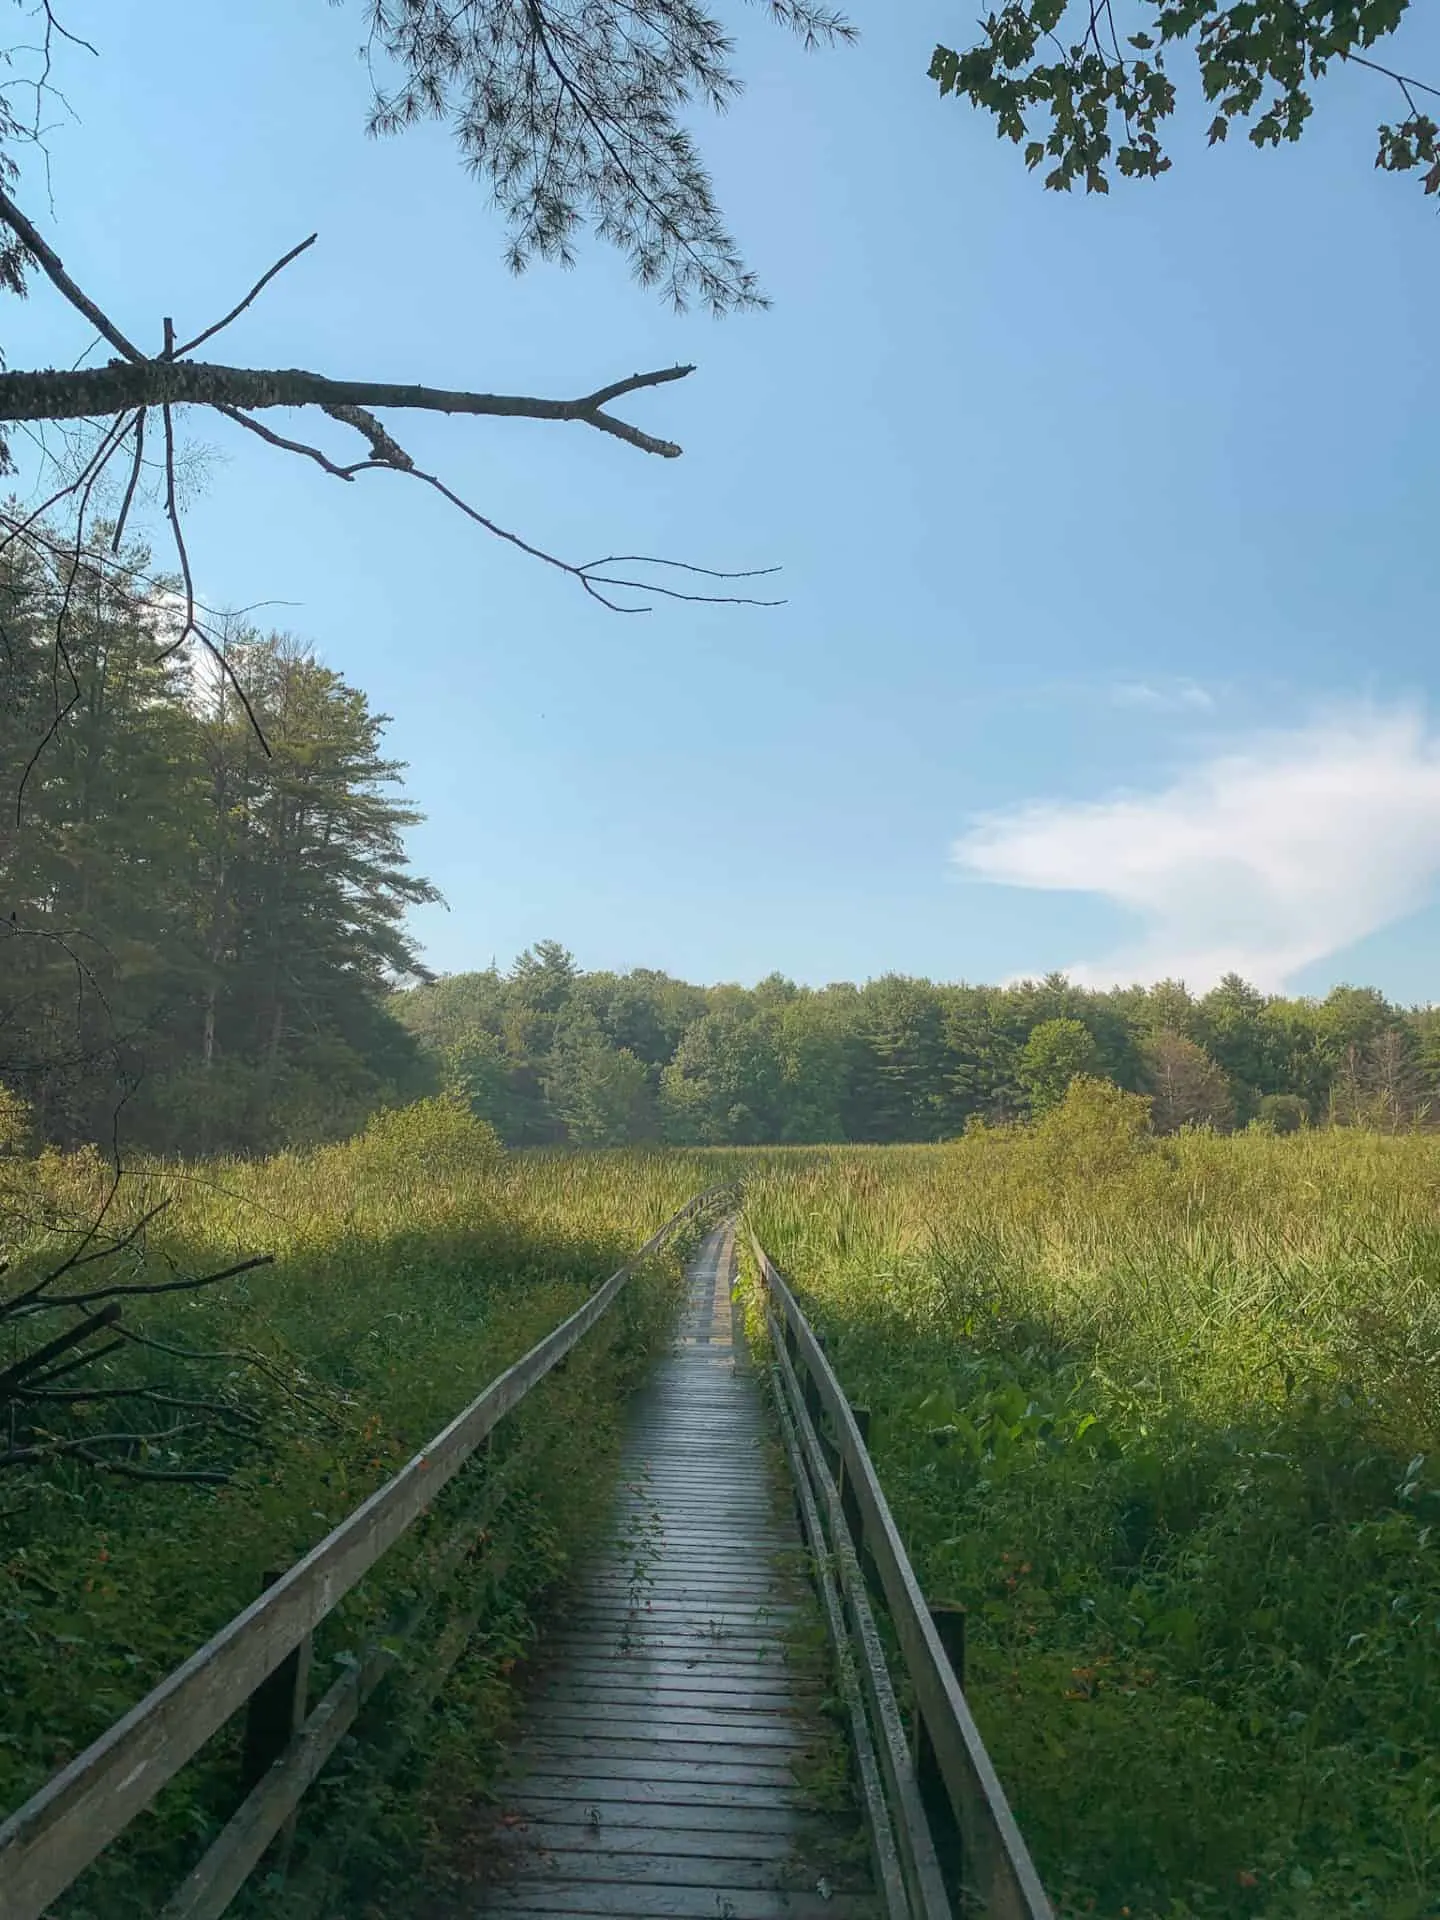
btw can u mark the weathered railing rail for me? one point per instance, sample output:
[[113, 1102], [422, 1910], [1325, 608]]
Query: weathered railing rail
[[261, 1657], [947, 1842]]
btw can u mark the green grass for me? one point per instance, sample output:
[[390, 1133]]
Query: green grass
[[413, 1264], [1163, 1416]]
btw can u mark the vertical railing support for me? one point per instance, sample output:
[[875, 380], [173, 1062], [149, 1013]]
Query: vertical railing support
[[277, 1708], [850, 1506], [949, 1619]]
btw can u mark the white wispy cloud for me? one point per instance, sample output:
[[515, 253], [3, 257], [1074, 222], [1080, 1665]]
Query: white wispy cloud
[[1260, 860], [1169, 696]]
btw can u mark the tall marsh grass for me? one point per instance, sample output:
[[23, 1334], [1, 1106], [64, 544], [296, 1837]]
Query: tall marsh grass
[[412, 1265], [1165, 1415]]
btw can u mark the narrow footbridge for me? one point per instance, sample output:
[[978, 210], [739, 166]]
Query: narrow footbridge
[[753, 1614]]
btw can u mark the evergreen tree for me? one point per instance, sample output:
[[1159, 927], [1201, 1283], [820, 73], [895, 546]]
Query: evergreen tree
[[199, 931]]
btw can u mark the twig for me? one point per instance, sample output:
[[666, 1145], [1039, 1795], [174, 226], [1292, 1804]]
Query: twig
[[72, 1336], [258, 288], [293, 446], [125, 504], [172, 514], [86, 1396], [128, 1289], [246, 1356], [81, 1360], [1405, 80], [21, 1301], [193, 1476], [588, 580]]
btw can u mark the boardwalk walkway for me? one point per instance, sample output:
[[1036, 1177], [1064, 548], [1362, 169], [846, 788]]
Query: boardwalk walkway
[[657, 1776]]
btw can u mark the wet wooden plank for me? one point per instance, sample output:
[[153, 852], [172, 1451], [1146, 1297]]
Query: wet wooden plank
[[684, 1644], [764, 1821], [637, 1901], [661, 1654], [728, 1872], [678, 1727], [657, 1773], [639, 1789], [646, 1762], [623, 1843], [696, 1705], [697, 1715]]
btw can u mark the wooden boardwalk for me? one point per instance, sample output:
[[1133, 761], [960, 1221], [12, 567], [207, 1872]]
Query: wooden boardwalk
[[656, 1776]]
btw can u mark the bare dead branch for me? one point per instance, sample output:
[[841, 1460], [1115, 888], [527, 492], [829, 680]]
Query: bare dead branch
[[86, 1359], [588, 579], [119, 387], [172, 514], [383, 450], [31, 237], [94, 1396], [62, 1343], [258, 288], [292, 446], [83, 1447], [19, 1302], [119, 534], [180, 1476], [135, 1289], [245, 1356]]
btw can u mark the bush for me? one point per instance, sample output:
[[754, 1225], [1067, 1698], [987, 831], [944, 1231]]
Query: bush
[[1281, 1113], [1097, 1132], [440, 1137]]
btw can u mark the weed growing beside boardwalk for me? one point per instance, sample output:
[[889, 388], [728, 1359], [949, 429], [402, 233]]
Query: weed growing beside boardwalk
[[413, 1264], [1164, 1416]]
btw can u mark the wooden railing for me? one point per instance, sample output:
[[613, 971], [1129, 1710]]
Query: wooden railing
[[945, 1840], [261, 1660]]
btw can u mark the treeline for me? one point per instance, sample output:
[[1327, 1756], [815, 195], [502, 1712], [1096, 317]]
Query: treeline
[[203, 900], [202, 903], [551, 1055]]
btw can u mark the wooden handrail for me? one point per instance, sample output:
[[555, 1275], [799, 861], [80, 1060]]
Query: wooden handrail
[[997, 1862], [50, 1840]]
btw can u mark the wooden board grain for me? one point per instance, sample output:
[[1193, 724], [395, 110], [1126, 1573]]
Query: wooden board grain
[[658, 1771]]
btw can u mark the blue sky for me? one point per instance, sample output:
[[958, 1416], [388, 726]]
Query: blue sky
[[1107, 526]]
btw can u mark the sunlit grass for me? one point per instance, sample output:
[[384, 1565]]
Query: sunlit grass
[[411, 1266], [1162, 1415]]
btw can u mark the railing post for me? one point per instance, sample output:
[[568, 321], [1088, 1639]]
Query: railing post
[[949, 1620], [811, 1392], [277, 1708], [849, 1505]]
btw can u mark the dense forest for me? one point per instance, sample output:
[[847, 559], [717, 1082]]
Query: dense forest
[[203, 888], [549, 1054], [204, 946]]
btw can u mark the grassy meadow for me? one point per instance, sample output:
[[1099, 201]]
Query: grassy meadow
[[412, 1264], [1163, 1414]]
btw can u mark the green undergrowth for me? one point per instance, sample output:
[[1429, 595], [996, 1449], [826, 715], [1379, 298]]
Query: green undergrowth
[[1163, 1415], [412, 1265]]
